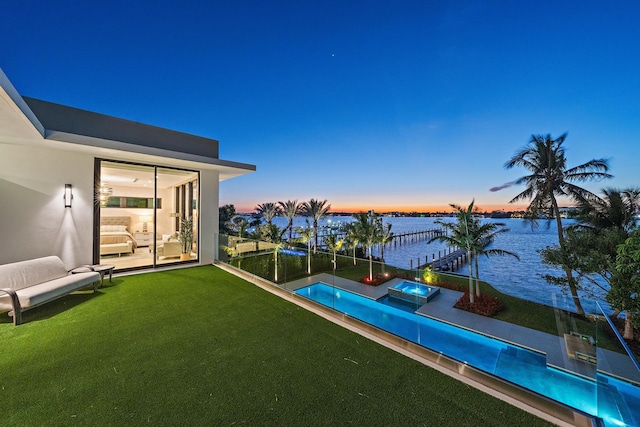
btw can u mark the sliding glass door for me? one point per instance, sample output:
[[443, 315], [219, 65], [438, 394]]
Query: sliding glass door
[[147, 215]]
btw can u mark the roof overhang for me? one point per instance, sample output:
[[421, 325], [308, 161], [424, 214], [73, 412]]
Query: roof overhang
[[19, 125]]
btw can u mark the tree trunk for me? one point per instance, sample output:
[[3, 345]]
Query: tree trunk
[[315, 235], [370, 266], [475, 259], [276, 265], [471, 298], [571, 281], [628, 328]]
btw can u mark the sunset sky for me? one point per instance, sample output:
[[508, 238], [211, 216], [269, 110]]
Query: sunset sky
[[403, 105]]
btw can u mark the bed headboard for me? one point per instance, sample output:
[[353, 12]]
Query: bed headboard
[[116, 220]]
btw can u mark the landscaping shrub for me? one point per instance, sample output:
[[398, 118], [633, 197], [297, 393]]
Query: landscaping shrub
[[485, 305], [380, 278]]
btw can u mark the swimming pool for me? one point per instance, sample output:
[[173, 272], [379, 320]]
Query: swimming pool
[[613, 400], [292, 252]]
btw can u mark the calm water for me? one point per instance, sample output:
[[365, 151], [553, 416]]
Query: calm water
[[518, 278]]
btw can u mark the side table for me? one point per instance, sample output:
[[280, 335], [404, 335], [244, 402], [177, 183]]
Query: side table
[[100, 268], [104, 269]]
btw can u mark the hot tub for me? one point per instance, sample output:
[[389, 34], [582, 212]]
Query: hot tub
[[413, 292]]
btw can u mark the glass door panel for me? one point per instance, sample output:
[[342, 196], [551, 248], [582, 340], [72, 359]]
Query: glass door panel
[[126, 198], [177, 219]]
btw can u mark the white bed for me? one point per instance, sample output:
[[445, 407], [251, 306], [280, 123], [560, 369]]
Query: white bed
[[115, 237]]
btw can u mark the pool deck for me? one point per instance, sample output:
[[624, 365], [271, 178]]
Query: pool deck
[[441, 308]]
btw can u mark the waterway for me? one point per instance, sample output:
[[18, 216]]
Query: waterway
[[523, 278]]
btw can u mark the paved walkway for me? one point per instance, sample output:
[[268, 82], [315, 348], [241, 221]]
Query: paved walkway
[[441, 308]]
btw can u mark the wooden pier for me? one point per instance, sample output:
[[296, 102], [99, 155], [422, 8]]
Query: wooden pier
[[415, 236], [451, 259]]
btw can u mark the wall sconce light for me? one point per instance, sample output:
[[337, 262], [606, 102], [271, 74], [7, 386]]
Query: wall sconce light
[[68, 195]]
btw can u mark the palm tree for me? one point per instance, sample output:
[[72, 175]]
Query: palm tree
[[550, 178], [273, 234], [368, 229], [306, 235], [484, 234], [239, 224], [317, 210], [352, 238], [615, 209], [334, 245], [268, 211], [290, 209], [386, 237], [459, 234], [603, 224]]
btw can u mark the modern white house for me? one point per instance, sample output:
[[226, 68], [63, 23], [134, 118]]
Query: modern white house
[[95, 189]]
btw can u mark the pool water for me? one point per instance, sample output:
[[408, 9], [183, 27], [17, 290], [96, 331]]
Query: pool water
[[408, 306], [414, 288], [413, 292], [292, 252], [616, 402]]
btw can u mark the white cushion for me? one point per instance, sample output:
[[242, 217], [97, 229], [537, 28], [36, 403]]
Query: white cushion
[[37, 294], [22, 274]]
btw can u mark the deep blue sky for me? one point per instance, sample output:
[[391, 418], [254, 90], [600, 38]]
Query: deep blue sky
[[371, 104]]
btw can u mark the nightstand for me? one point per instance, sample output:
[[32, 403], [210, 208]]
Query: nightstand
[[144, 238]]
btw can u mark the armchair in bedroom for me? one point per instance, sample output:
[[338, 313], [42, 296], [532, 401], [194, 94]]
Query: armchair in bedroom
[[169, 249]]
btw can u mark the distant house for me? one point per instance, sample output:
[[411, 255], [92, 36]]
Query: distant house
[[93, 189]]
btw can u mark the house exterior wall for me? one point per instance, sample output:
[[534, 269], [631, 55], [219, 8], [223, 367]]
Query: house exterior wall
[[209, 199], [41, 151], [35, 223], [34, 220]]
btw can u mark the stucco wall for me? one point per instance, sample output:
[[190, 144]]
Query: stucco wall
[[34, 221], [209, 197]]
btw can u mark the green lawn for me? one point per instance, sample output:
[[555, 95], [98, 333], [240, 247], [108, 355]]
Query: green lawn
[[199, 346]]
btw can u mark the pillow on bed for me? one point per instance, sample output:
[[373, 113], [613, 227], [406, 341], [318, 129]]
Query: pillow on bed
[[166, 237], [113, 228]]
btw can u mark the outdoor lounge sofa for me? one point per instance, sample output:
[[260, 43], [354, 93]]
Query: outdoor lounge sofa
[[28, 284]]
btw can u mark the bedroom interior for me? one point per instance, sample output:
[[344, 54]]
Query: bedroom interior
[[140, 208]]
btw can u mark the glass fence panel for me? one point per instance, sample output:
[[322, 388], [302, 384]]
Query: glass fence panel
[[578, 361]]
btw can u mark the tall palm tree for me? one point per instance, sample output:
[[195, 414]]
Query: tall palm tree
[[306, 235], [290, 209], [368, 229], [386, 237], [316, 210], [352, 238], [550, 178], [615, 209], [603, 224], [334, 244], [268, 211], [239, 224], [273, 234], [459, 234], [484, 234]]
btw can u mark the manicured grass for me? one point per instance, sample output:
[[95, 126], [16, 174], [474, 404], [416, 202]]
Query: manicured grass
[[199, 346]]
